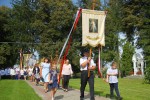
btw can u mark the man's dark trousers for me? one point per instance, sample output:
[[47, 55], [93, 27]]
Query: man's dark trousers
[[84, 80]]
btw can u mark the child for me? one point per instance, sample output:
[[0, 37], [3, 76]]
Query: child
[[22, 74], [30, 74], [25, 73], [113, 81], [36, 73], [53, 80]]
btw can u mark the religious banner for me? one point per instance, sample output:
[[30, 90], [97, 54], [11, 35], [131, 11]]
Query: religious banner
[[26, 58], [93, 24]]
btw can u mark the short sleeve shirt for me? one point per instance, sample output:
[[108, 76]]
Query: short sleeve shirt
[[112, 79], [2, 72], [82, 60]]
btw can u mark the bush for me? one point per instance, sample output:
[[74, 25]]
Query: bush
[[147, 75]]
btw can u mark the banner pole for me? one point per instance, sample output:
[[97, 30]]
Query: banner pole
[[93, 7], [21, 58]]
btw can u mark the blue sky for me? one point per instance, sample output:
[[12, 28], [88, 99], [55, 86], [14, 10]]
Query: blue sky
[[8, 2], [5, 3]]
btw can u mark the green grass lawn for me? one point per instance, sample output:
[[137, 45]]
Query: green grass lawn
[[130, 89], [16, 90]]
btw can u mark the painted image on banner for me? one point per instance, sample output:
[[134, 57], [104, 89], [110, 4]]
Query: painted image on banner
[[93, 25]]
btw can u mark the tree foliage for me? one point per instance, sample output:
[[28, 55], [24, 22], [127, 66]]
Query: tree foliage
[[144, 35], [126, 60], [113, 27], [6, 49], [53, 20], [43, 25]]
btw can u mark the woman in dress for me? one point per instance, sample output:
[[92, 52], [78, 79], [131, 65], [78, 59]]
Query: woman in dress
[[53, 80], [44, 73], [67, 73]]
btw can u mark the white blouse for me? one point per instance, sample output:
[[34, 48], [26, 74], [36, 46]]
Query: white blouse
[[67, 69]]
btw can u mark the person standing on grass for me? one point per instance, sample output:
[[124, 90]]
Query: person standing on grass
[[112, 74], [87, 63], [0, 74], [30, 70], [22, 74], [12, 73], [66, 73], [45, 68], [6, 73], [17, 70], [36, 73], [25, 73], [53, 80]]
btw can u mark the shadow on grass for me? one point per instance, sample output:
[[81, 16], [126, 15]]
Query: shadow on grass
[[96, 93], [99, 93]]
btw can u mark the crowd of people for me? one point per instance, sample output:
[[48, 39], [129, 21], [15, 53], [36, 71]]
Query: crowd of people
[[47, 73], [50, 76], [15, 73]]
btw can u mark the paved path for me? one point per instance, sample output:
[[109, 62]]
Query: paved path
[[72, 94]]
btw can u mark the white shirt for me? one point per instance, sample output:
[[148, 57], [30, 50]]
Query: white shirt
[[67, 70], [2, 72], [17, 70], [30, 71], [112, 79], [12, 72], [6, 71], [25, 70], [82, 60], [22, 72]]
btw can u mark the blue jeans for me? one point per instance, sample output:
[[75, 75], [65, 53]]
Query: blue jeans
[[16, 77], [112, 87]]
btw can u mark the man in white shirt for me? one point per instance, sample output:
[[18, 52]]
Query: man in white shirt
[[22, 74], [8, 73], [86, 63], [12, 73], [17, 73], [3, 73]]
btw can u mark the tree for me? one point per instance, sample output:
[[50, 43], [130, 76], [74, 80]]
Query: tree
[[113, 28], [131, 20], [53, 20], [76, 46], [88, 4], [144, 35], [18, 28], [126, 60], [22, 16], [5, 48]]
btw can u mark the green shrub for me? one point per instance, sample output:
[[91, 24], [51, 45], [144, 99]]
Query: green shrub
[[147, 75]]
